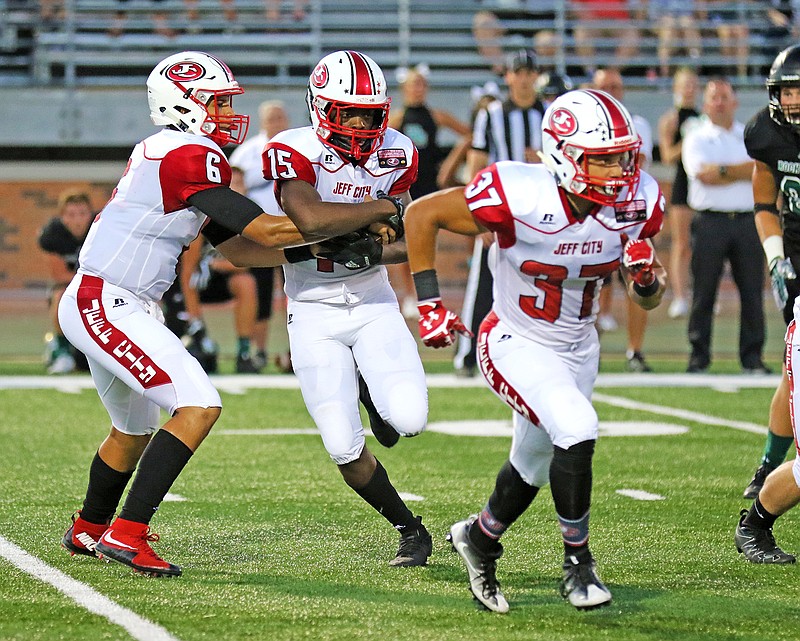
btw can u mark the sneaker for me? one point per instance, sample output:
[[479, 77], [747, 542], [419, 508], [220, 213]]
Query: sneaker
[[581, 585], [62, 364], [757, 544], [607, 323], [245, 365], [763, 471], [637, 363], [697, 366], [128, 542], [678, 308], [758, 370], [415, 548], [82, 536], [481, 567], [260, 359], [381, 430]]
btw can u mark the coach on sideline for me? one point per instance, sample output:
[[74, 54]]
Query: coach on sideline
[[719, 172]]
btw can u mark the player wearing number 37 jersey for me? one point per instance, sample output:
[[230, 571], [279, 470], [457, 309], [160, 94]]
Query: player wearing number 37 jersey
[[560, 228]]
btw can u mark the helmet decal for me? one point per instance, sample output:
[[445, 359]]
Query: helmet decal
[[363, 80], [563, 122], [320, 76], [618, 123], [185, 71]]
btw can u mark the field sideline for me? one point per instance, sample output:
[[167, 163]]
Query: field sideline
[[274, 545]]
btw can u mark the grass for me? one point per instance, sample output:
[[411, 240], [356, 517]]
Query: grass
[[274, 545]]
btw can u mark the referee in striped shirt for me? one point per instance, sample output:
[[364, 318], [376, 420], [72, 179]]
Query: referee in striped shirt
[[504, 130]]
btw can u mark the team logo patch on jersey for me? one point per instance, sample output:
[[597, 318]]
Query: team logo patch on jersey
[[634, 211], [563, 122], [390, 158], [185, 71], [320, 76]]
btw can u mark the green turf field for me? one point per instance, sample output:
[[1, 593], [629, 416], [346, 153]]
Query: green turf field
[[275, 546]]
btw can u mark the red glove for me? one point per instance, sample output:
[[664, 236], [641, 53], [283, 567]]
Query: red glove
[[438, 325], [637, 258]]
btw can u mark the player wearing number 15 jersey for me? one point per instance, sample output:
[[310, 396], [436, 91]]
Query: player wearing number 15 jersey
[[560, 227], [346, 332]]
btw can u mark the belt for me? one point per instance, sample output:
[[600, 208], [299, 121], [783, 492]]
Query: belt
[[729, 214]]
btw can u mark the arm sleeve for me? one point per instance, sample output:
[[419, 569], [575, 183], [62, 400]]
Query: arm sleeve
[[226, 207]]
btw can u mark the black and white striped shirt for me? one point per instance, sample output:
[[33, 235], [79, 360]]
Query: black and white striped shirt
[[503, 130]]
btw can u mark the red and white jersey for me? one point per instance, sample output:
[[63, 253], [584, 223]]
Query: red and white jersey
[[135, 241], [297, 154], [550, 266]]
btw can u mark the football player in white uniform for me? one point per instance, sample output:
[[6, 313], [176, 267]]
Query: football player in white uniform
[[561, 227], [346, 333], [176, 185]]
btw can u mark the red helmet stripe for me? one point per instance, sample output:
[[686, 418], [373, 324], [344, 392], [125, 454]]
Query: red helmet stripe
[[618, 122], [363, 82]]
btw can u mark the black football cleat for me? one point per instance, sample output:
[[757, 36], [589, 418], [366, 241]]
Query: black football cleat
[[415, 547], [763, 471], [758, 544]]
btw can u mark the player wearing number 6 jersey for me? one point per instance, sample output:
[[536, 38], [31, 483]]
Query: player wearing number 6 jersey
[[561, 227], [176, 185], [346, 332]]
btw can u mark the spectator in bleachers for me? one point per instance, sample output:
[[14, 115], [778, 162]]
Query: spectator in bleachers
[[782, 28], [193, 15], [273, 10], [547, 44], [729, 20], [488, 34], [51, 14], [671, 128], [159, 18], [676, 24], [422, 124], [608, 20]]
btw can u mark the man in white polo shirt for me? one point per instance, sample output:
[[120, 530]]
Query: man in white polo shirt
[[719, 172]]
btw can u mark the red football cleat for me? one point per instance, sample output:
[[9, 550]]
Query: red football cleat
[[128, 542], [82, 536]]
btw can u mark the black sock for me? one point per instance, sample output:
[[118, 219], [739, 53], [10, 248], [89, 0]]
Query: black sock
[[381, 495], [759, 517], [571, 486], [106, 486], [161, 463], [511, 497]]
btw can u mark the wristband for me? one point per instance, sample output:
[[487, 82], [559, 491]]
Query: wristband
[[298, 254], [770, 207], [426, 284], [773, 249], [647, 290]]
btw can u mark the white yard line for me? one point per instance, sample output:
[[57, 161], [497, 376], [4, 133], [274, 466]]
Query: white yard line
[[139, 628], [237, 383], [687, 415]]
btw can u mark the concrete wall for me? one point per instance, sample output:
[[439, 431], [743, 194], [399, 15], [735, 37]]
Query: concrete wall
[[103, 117]]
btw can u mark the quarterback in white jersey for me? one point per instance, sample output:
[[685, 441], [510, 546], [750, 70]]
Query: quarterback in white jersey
[[175, 185], [560, 228], [347, 336]]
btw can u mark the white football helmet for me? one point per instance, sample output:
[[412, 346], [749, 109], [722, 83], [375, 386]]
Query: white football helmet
[[348, 80], [585, 123], [180, 88]]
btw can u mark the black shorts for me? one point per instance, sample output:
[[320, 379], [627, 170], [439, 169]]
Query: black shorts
[[680, 189], [217, 290], [265, 279]]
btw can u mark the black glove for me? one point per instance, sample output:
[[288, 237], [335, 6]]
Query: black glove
[[356, 250], [395, 221]]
